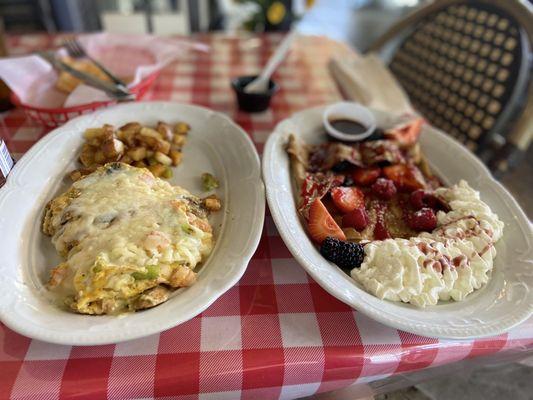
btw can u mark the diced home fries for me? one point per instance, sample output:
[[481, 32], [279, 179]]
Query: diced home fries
[[141, 146]]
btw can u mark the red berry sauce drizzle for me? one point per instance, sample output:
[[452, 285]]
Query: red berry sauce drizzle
[[380, 230], [438, 261]]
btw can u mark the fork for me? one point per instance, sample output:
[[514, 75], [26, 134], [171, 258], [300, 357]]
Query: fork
[[76, 50], [116, 91]]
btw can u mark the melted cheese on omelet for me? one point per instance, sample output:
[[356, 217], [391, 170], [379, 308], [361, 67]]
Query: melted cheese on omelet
[[123, 231]]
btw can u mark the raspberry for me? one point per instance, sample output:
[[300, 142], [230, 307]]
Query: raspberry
[[436, 202], [357, 219], [346, 255], [420, 199], [422, 220], [417, 199], [384, 188]]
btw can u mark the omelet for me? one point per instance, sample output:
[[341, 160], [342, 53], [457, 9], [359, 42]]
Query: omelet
[[127, 240]]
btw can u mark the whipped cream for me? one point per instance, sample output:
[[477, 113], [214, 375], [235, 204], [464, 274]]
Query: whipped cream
[[448, 263]]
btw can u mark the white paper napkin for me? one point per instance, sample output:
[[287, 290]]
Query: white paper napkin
[[365, 79], [33, 79]]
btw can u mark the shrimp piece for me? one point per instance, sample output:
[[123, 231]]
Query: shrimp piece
[[148, 178], [178, 205], [156, 241], [200, 223], [58, 275]]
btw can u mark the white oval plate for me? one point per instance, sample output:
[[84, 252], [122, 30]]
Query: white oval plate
[[503, 303], [215, 144]]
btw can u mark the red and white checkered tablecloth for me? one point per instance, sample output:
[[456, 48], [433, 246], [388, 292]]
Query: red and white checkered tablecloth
[[276, 334]]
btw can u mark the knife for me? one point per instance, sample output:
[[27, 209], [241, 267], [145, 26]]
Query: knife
[[118, 92]]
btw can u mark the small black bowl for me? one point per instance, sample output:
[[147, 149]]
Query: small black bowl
[[252, 102]]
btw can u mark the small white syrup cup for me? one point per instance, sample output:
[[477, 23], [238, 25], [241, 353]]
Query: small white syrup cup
[[350, 111]]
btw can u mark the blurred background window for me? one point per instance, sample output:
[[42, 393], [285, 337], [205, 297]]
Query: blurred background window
[[357, 22]]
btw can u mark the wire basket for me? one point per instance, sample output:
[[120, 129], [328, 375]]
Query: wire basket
[[54, 117]]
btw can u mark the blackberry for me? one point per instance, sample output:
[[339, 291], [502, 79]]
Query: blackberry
[[346, 255], [341, 166]]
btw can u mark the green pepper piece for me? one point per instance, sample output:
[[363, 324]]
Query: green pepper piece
[[209, 182], [152, 272], [168, 173], [187, 229]]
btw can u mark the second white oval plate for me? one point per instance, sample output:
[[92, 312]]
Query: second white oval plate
[[503, 303], [215, 144]]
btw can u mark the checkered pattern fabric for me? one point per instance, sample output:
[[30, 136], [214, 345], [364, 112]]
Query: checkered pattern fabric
[[277, 333]]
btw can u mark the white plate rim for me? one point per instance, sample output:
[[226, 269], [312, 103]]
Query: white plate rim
[[255, 232], [315, 267]]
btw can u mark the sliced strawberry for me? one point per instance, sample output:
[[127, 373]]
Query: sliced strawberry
[[347, 199], [406, 135], [366, 176], [405, 177], [321, 224], [357, 219]]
